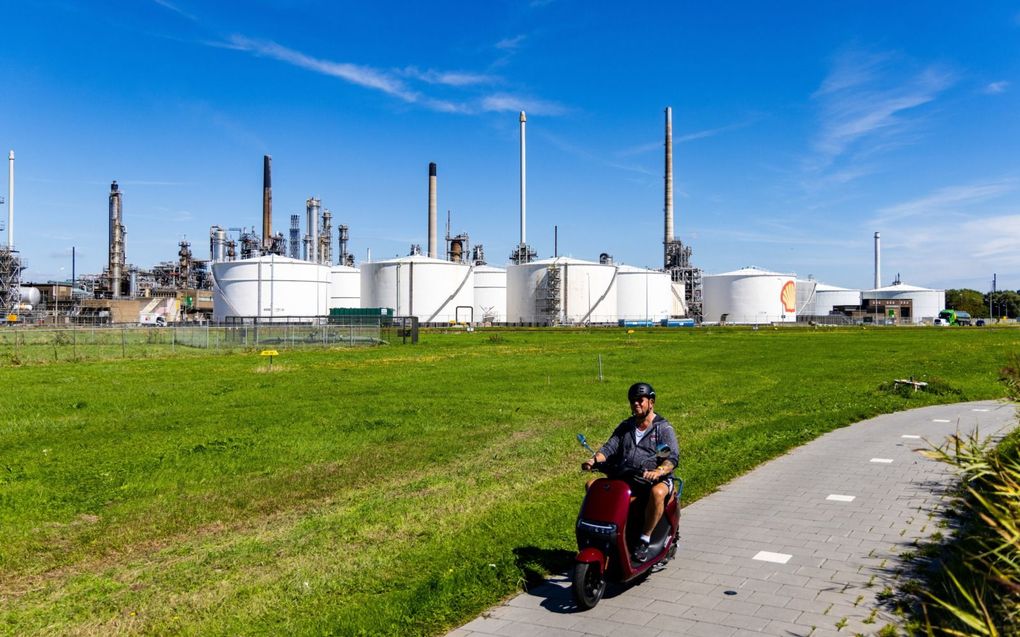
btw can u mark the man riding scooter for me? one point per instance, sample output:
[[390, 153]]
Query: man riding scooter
[[632, 449]]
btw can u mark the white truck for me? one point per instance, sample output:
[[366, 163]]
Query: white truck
[[148, 318]]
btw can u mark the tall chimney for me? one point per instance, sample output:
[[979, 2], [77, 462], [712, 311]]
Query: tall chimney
[[267, 202], [524, 234], [116, 266], [878, 261], [10, 201], [669, 234], [432, 211]]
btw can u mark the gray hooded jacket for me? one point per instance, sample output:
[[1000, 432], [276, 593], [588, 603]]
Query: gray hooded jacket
[[622, 448]]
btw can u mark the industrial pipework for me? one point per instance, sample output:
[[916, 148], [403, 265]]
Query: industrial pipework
[[117, 257], [267, 202], [295, 236], [312, 238], [433, 249]]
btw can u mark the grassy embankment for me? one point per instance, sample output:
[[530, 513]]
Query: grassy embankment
[[389, 490]]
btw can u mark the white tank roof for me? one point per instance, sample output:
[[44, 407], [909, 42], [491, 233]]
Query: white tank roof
[[752, 271], [902, 287], [825, 287], [416, 258]]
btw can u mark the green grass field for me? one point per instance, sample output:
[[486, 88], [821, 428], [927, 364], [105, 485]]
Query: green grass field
[[390, 490]]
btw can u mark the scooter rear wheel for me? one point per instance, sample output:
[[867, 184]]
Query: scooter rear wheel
[[589, 585]]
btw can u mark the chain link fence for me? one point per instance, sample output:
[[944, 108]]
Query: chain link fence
[[25, 344]]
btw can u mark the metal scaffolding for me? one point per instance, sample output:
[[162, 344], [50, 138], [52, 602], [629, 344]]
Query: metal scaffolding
[[10, 280], [550, 295], [682, 272]]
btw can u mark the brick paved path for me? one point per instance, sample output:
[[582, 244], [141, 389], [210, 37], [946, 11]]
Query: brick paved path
[[798, 547]]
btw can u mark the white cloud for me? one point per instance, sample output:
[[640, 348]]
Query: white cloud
[[166, 4], [995, 88], [353, 73], [511, 44], [448, 78], [868, 99], [502, 102], [952, 199]]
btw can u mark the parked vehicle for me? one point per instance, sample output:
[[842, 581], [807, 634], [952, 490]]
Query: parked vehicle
[[980, 323], [608, 528], [152, 319], [955, 317]]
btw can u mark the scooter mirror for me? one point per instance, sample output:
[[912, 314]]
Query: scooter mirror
[[662, 451], [584, 443]]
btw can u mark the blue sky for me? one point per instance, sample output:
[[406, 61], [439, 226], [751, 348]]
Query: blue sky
[[800, 128]]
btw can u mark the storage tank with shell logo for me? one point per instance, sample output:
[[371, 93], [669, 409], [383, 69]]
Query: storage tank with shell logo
[[643, 295], [490, 294], [434, 290], [562, 290], [270, 288], [750, 296], [344, 286]]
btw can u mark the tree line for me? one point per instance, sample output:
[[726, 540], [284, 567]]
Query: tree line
[[1002, 304]]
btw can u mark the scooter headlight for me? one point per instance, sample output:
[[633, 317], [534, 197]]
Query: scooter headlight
[[596, 528]]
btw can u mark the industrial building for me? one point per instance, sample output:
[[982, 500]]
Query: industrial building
[[253, 276]]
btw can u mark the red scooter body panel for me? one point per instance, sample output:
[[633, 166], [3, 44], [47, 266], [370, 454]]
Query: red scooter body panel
[[593, 556], [607, 501]]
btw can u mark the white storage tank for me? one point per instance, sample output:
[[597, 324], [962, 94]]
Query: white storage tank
[[561, 290], [750, 296], [490, 294], [344, 286], [806, 296], [270, 288], [434, 290], [925, 303], [643, 295], [828, 297]]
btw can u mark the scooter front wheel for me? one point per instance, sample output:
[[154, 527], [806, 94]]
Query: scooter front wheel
[[589, 585]]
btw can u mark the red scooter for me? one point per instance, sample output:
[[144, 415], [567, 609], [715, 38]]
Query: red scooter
[[609, 526]]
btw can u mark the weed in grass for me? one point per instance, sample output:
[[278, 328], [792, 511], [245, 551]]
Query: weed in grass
[[841, 624]]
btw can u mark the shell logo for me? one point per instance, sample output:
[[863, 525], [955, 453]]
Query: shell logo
[[788, 296]]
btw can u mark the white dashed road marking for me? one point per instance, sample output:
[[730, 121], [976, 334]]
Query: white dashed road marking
[[841, 498], [882, 460], [778, 558]]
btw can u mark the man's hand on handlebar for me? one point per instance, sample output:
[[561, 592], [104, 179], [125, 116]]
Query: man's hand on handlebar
[[590, 463]]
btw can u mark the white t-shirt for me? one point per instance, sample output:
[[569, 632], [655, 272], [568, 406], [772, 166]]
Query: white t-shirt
[[638, 434]]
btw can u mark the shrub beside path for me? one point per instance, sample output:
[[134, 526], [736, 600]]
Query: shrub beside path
[[803, 546]]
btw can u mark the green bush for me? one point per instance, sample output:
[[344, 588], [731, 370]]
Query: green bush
[[978, 590]]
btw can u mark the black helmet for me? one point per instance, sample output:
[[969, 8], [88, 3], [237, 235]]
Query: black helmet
[[640, 390]]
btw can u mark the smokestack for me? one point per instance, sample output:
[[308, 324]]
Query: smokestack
[[10, 201], [116, 241], [878, 261], [524, 234], [669, 234], [267, 202], [432, 211]]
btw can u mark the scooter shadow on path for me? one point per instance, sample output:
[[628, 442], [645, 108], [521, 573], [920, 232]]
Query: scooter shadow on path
[[555, 589]]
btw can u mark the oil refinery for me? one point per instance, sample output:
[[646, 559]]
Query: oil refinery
[[267, 276]]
